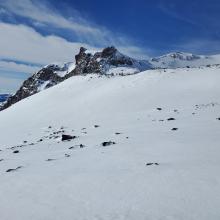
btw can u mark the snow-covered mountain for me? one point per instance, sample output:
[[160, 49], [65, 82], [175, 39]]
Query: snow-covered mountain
[[107, 62], [180, 60], [144, 146]]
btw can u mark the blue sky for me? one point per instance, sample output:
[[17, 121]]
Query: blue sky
[[37, 32]]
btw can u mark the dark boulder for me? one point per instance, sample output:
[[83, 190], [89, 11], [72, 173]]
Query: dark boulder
[[108, 143], [150, 164], [174, 129], [66, 137], [171, 119], [11, 170]]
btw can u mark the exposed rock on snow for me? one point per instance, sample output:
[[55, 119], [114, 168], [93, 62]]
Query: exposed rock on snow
[[171, 119], [108, 143], [106, 62], [12, 170], [150, 164], [66, 137]]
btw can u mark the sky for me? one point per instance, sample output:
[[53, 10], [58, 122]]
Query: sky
[[34, 33]]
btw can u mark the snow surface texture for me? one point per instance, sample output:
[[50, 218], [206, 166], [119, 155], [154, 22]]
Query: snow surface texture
[[153, 171]]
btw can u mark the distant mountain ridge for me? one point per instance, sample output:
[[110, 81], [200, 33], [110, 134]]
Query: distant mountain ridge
[[181, 60]]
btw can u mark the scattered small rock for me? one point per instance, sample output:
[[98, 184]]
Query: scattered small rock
[[159, 109], [24, 142], [49, 127], [67, 155], [171, 119], [218, 118], [150, 164], [71, 148], [1, 160], [11, 170], [50, 159], [82, 146], [174, 129], [117, 133], [96, 126], [16, 152], [108, 143]]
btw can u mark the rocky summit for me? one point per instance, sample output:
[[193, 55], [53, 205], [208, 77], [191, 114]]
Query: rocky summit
[[105, 62]]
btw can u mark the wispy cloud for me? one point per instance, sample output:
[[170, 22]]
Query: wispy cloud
[[13, 66], [37, 11], [41, 14], [28, 17], [171, 8]]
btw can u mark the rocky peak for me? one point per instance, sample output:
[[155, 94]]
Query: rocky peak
[[102, 62], [81, 55], [109, 52]]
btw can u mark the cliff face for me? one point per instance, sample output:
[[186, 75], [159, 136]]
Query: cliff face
[[103, 62], [44, 79]]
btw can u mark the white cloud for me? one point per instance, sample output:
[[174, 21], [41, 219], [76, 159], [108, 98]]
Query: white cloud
[[39, 13], [9, 85], [44, 15], [134, 52], [23, 43], [19, 42], [12, 66]]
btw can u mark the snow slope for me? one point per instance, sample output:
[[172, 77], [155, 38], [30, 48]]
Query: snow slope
[[114, 182]]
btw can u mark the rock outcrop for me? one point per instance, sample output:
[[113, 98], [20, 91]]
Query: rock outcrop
[[105, 61]]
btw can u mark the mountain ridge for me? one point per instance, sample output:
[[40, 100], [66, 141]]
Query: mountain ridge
[[109, 62]]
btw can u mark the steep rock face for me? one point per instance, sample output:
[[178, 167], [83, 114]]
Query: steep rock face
[[108, 61], [45, 78]]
